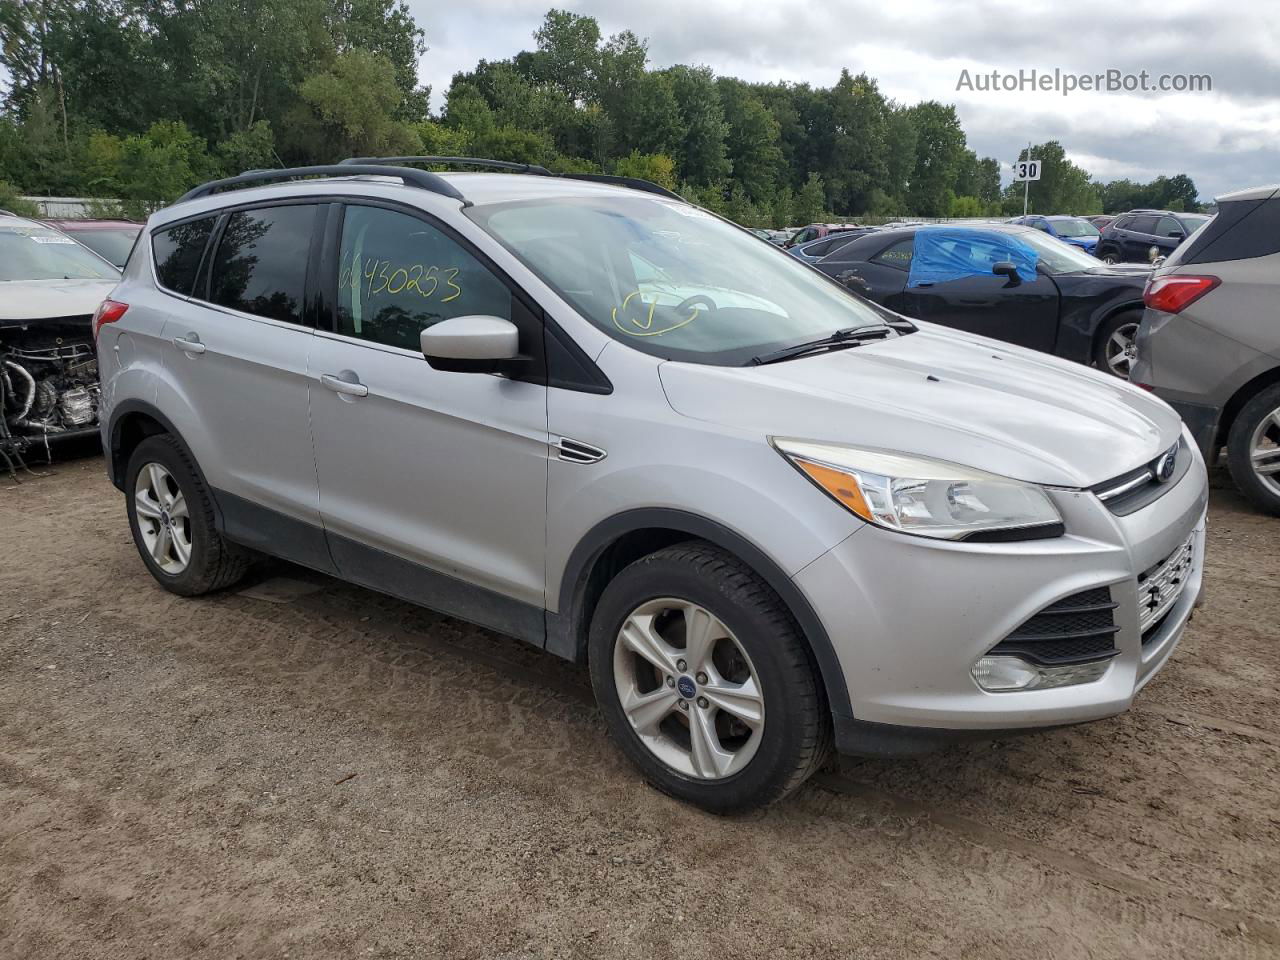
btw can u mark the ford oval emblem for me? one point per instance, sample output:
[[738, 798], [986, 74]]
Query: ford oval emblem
[[1165, 466]]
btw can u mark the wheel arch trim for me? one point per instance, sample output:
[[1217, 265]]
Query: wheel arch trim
[[567, 629], [117, 464]]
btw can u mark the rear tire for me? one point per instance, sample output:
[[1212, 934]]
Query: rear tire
[[171, 516], [1108, 255], [1253, 450], [737, 728], [1113, 344]]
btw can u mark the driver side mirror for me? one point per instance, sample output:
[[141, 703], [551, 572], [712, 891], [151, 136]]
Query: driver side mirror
[[471, 344], [1006, 268]]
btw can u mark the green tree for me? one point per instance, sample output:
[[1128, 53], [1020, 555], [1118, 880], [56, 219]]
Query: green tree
[[811, 202], [701, 152], [568, 53], [752, 143], [940, 149], [656, 167], [348, 109]]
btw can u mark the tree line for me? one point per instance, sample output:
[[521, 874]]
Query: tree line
[[141, 99]]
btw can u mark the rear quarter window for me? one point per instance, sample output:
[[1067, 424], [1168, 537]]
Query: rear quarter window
[[178, 250], [1242, 229]]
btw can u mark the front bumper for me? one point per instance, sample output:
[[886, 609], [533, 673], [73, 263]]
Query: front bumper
[[908, 617]]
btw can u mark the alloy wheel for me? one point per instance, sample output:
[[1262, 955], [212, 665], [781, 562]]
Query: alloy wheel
[[688, 689], [163, 520], [1110, 258], [1264, 451], [1122, 349]]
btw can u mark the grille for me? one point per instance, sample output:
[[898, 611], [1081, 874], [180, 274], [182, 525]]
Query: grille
[[1136, 489], [1160, 587], [1077, 629]]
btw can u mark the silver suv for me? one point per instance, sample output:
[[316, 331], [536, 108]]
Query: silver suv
[[771, 516], [1209, 342]]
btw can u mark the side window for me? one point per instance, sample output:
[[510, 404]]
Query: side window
[[398, 275], [177, 251], [898, 255], [1041, 225], [804, 236], [1121, 223], [1169, 227], [1143, 225], [260, 266]]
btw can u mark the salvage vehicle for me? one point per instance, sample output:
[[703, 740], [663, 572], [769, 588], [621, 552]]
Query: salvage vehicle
[[1141, 236], [1076, 231], [767, 530], [815, 250], [1210, 342], [110, 239], [50, 287], [1001, 280]]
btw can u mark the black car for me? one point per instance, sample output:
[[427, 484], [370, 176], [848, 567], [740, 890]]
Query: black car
[[1129, 237], [1009, 282]]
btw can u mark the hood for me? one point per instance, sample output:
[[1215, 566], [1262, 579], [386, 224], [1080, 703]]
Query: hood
[[940, 394], [1088, 243], [1131, 271], [43, 299]]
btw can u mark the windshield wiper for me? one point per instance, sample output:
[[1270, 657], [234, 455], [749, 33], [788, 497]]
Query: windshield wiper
[[848, 337]]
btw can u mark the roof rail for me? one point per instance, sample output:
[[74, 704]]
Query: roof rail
[[410, 177], [635, 183], [457, 162]]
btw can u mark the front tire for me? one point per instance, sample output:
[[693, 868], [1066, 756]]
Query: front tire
[[1253, 450], [705, 680], [171, 517], [1115, 344]]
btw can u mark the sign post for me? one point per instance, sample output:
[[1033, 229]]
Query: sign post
[[1026, 171]]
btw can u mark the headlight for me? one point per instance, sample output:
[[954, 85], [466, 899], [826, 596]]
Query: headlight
[[929, 498]]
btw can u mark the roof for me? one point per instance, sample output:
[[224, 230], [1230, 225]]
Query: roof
[[1253, 193]]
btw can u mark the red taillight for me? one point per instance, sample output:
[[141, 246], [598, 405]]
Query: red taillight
[[1176, 291], [1144, 386], [109, 312]]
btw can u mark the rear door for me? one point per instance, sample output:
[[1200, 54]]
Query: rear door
[[433, 485], [1025, 313], [879, 275], [237, 354], [1137, 239]]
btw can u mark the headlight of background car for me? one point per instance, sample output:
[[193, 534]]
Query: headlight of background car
[[929, 498]]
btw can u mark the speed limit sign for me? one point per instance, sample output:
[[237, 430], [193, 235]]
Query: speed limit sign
[[1026, 170]]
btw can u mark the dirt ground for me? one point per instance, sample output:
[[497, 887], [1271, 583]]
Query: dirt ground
[[306, 769]]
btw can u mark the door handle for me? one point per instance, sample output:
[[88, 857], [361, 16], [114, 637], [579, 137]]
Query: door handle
[[349, 388], [189, 344]]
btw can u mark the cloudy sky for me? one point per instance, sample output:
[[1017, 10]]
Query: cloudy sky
[[1224, 139]]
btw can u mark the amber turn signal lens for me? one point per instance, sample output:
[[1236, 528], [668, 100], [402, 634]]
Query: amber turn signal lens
[[839, 484]]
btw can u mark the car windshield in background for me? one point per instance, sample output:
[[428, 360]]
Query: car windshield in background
[[670, 279], [1194, 222], [1075, 228], [114, 245], [39, 253], [1056, 255]]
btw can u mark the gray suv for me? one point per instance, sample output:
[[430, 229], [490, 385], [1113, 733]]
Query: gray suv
[[1209, 342], [772, 517]]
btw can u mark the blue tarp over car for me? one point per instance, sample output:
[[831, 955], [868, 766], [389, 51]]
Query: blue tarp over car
[[950, 253]]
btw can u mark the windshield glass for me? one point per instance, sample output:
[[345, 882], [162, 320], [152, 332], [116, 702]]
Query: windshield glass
[[670, 279], [1194, 222], [113, 244], [31, 252], [1056, 255], [1074, 228]]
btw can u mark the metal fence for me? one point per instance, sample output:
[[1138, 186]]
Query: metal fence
[[74, 208]]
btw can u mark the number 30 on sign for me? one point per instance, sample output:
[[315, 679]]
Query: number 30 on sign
[[1026, 170]]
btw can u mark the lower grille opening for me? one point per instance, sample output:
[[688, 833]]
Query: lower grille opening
[[1077, 629]]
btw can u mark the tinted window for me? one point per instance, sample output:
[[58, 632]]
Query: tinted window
[[398, 275], [1169, 227], [822, 247], [261, 263], [1040, 225], [112, 245], [177, 250], [1142, 225], [898, 255], [1241, 230]]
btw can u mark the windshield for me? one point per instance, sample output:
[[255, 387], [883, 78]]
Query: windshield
[[670, 279], [1074, 228], [114, 244], [1056, 255], [31, 252], [1194, 222]]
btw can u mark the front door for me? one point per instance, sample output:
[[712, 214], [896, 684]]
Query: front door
[[1025, 312], [433, 485]]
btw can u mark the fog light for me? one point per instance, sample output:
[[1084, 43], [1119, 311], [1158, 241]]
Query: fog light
[[1004, 674]]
